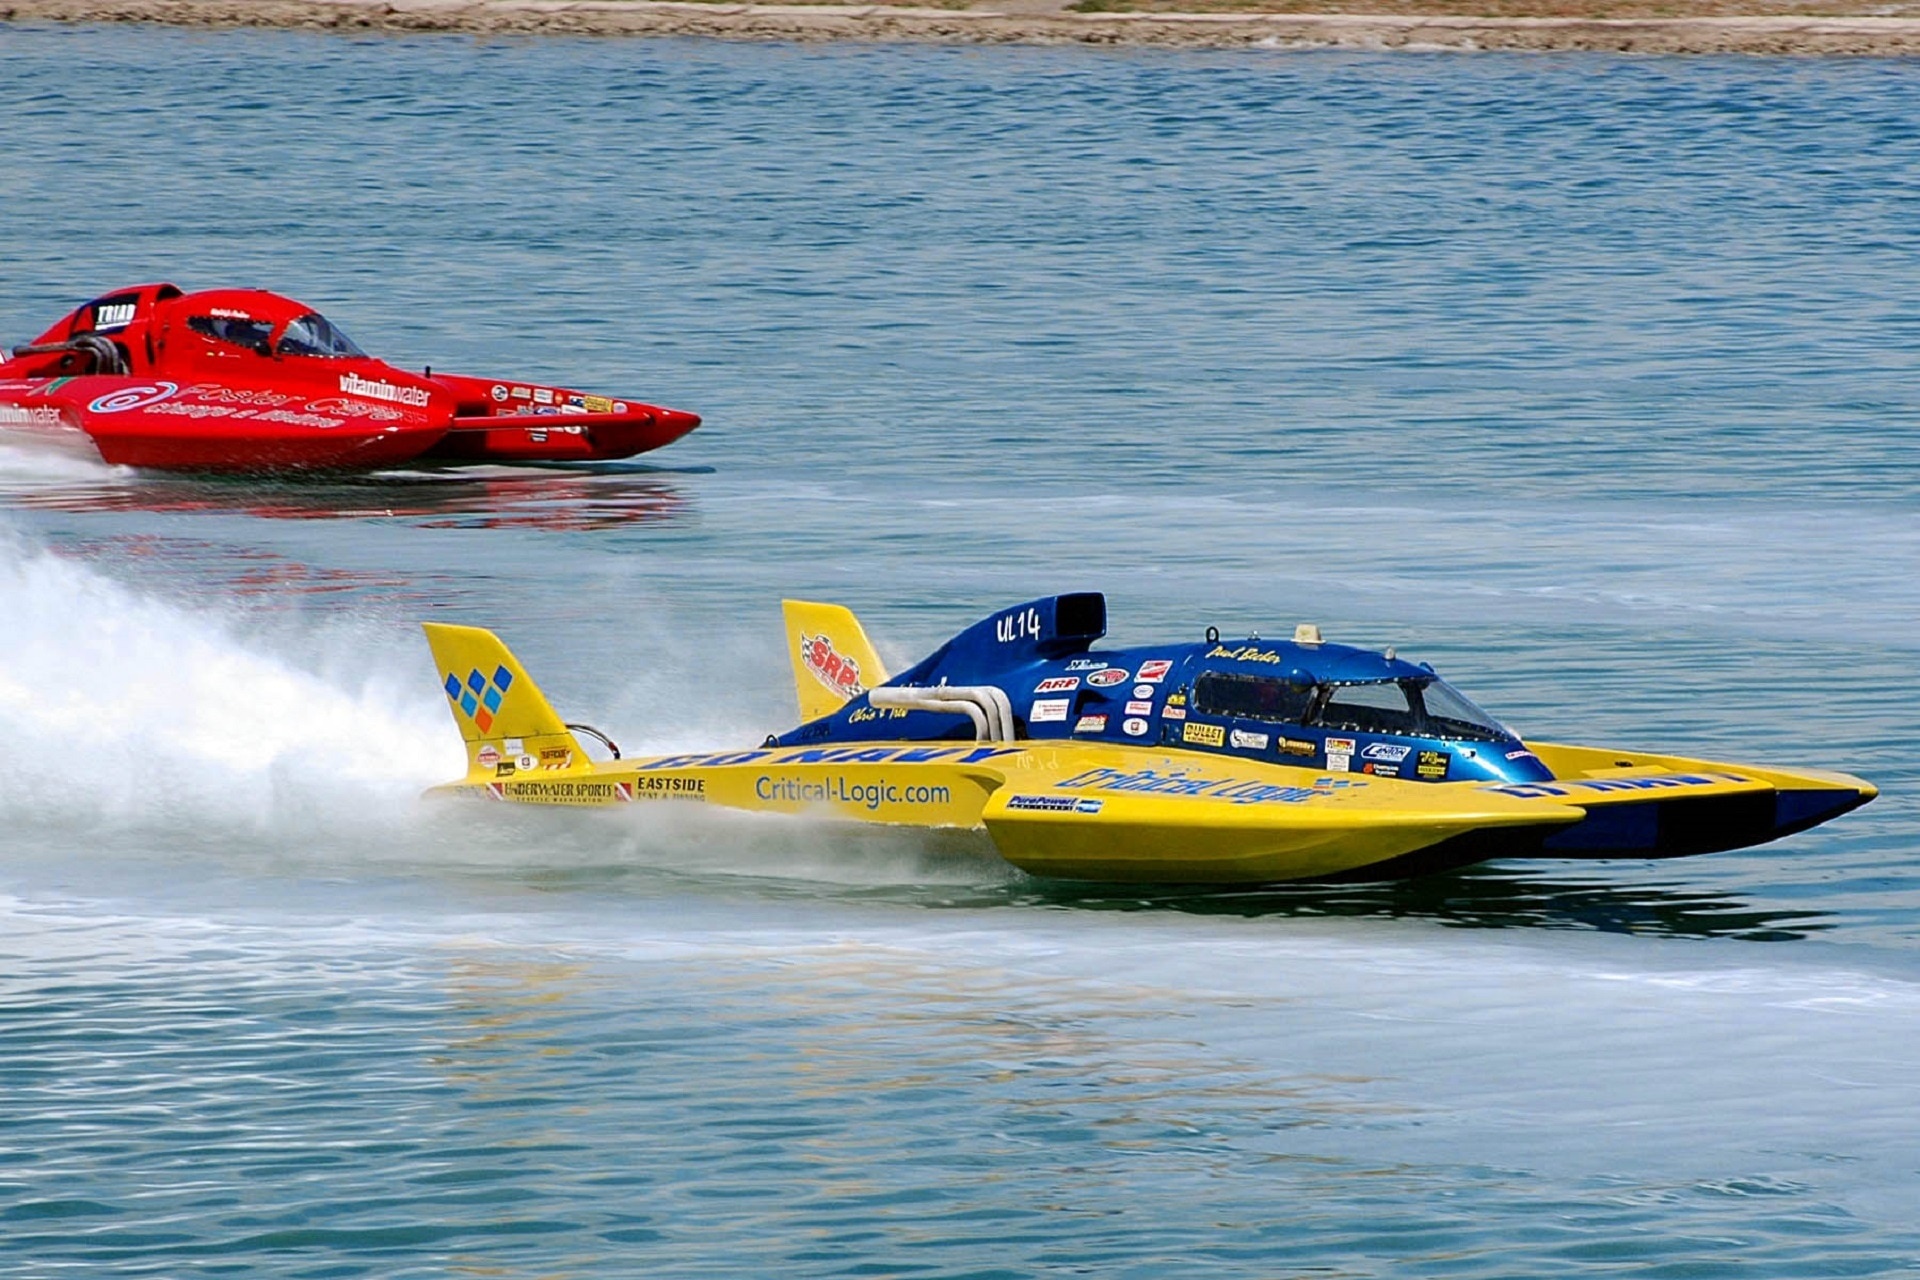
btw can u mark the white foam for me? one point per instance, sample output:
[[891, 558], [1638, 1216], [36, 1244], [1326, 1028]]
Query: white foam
[[125, 709]]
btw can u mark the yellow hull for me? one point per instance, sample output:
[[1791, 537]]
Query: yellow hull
[[1084, 811]]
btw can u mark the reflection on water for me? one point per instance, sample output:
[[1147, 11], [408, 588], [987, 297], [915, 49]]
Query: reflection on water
[[957, 870], [569, 501], [1476, 897]]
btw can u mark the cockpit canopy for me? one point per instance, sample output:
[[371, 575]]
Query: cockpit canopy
[[1409, 706], [265, 323]]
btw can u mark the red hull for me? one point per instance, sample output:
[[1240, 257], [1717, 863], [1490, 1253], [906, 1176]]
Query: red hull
[[223, 447]]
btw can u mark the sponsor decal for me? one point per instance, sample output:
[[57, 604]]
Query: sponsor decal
[[138, 397], [1140, 708], [214, 393], [1144, 691], [521, 393], [1178, 698], [478, 696], [619, 406], [527, 764], [1179, 782], [1134, 728], [855, 754], [1521, 755], [1171, 712], [1086, 664], [1021, 624], [1107, 677], [1205, 735], [844, 791], [39, 415], [1058, 684], [1042, 804], [499, 394], [114, 315], [1380, 770], [228, 313], [368, 389], [1054, 804], [488, 756], [1049, 710], [542, 395], [1297, 747], [830, 667], [1090, 724], [1248, 741], [504, 769], [355, 408], [1155, 671], [555, 757], [1432, 765], [1385, 752], [1661, 782], [596, 404], [673, 786], [1339, 754], [515, 746], [580, 791], [1247, 653]]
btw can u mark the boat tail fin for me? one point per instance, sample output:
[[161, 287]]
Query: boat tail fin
[[833, 661], [506, 722]]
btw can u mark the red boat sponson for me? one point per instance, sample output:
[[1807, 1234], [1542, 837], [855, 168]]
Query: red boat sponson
[[592, 437]]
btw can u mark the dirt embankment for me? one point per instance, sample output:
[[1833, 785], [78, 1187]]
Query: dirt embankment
[[1637, 26]]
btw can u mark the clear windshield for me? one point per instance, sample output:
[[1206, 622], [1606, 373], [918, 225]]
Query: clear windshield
[[1417, 708], [1451, 714], [314, 335]]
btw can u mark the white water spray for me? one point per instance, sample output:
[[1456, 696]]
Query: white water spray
[[124, 710]]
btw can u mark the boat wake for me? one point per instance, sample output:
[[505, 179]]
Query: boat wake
[[151, 733]]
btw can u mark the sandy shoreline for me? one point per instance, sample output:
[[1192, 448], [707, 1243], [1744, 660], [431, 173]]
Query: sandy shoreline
[[1017, 22]]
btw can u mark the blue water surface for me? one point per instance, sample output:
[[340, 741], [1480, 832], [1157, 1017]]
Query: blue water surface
[[1591, 380]]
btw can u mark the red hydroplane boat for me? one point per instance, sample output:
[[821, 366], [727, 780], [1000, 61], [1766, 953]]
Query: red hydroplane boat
[[245, 380]]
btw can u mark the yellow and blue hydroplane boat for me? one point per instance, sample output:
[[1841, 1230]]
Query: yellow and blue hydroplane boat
[[1229, 762]]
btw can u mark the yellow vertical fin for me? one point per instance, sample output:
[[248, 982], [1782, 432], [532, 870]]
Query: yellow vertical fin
[[833, 661], [508, 726]]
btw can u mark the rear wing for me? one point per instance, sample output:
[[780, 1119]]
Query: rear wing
[[506, 722], [833, 661]]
